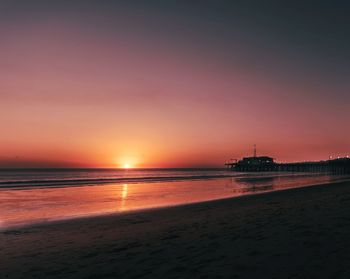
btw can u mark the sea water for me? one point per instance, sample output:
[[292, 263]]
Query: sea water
[[34, 196]]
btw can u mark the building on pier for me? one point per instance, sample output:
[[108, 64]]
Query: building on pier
[[254, 163]]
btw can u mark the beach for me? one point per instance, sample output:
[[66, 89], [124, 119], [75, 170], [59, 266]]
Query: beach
[[294, 233], [174, 139]]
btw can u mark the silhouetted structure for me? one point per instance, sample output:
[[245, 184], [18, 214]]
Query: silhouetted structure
[[262, 160], [265, 163]]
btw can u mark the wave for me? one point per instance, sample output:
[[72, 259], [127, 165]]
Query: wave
[[96, 181]]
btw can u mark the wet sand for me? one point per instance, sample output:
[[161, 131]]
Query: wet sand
[[295, 233]]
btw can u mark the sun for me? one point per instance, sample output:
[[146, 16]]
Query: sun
[[126, 162], [126, 166]]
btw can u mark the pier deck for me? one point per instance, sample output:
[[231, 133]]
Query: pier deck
[[337, 166]]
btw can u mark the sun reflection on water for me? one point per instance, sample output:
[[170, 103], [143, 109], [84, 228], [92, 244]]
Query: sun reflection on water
[[124, 195]]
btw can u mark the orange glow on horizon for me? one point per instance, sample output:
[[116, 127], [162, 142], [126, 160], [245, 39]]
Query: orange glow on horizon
[[127, 162], [127, 166]]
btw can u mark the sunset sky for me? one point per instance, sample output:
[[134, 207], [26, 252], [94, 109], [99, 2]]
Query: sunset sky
[[172, 83]]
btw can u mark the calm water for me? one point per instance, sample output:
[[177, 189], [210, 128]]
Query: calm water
[[33, 196], [71, 177]]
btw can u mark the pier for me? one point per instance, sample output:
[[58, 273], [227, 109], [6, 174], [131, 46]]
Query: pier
[[338, 166], [267, 164]]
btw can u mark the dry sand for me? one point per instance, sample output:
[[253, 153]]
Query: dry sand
[[296, 233]]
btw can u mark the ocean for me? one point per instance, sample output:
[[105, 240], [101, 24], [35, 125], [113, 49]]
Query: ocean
[[24, 178], [34, 196]]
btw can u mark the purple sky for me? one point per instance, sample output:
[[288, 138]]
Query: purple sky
[[165, 84]]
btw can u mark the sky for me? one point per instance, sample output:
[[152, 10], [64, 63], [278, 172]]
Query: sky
[[172, 83]]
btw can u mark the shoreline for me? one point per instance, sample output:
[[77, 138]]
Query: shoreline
[[82, 218], [302, 232]]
